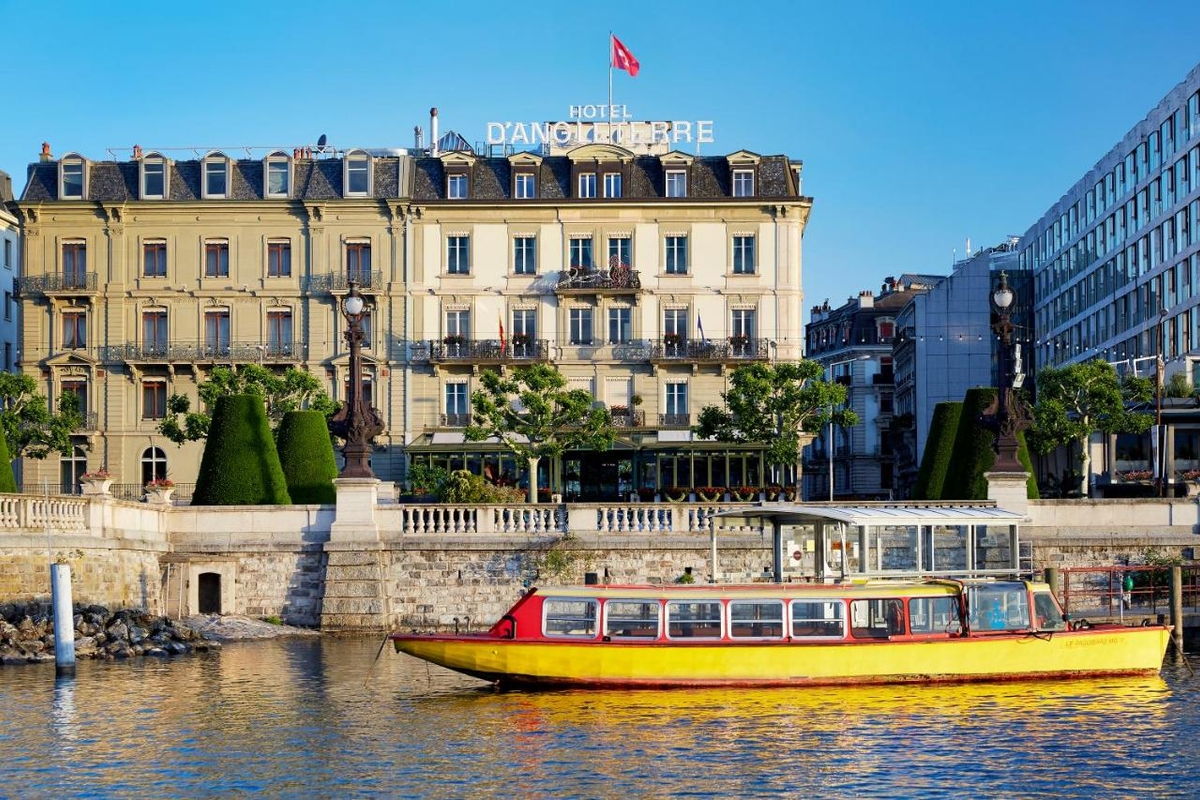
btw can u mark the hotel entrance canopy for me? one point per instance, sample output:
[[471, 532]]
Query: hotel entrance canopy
[[854, 542]]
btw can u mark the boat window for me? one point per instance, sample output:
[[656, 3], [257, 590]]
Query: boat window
[[1049, 616], [934, 615], [1002, 606], [569, 617], [756, 619], [635, 618], [819, 618], [876, 619], [699, 619]]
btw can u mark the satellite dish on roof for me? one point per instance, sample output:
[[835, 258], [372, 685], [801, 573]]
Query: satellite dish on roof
[[321, 140]]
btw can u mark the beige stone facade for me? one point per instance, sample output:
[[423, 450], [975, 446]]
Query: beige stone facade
[[641, 277]]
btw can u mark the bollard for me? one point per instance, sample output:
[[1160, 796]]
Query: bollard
[[1177, 606], [64, 619]]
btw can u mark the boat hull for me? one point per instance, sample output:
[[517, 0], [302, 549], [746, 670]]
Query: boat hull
[[1067, 654]]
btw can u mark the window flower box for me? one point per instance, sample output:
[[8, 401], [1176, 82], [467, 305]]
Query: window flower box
[[455, 339], [96, 482], [1135, 476], [710, 494], [159, 491]]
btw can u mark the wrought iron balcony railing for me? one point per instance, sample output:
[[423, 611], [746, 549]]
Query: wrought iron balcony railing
[[88, 423], [733, 349], [58, 282], [629, 419], [482, 351], [239, 352], [365, 280], [674, 420], [584, 280], [456, 420]]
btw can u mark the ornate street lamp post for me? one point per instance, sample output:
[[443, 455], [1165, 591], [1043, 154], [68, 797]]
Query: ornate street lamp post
[[357, 422], [1010, 413]]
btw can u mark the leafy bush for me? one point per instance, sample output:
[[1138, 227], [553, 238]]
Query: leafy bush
[[973, 454], [427, 479], [240, 465], [939, 445], [306, 453], [464, 488]]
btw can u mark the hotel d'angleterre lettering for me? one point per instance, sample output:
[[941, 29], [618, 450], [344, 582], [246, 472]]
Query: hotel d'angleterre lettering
[[589, 124]]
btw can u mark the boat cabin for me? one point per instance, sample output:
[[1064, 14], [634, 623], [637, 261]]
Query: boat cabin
[[756, 613], [827, 543]]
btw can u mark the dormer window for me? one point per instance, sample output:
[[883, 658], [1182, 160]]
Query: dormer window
[[357, 174], [524, 187], [278, 176], [216, 177], [456, 186], [72, 178], [676, 183], [154, 177], [587, 185], [743, 183], [612, 184]]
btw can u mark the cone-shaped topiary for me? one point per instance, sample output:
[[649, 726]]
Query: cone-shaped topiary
[[306, 452], [939, 445], [240, 466], [974, 455], [8, 482]]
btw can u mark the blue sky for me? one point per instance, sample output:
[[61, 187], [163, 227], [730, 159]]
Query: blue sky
[[919, 124]]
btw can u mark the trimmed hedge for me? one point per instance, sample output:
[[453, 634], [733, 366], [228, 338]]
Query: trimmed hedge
[[973, 454], [939, 444], [8, 481], [240, 466], [306, 453]]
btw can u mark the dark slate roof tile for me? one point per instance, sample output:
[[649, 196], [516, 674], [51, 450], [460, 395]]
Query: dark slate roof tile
[[42, 183], [185, 181], [554, 178], [773, 177], [491, 180]]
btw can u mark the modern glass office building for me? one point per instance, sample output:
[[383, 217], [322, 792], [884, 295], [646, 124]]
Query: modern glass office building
[[1114, 261]]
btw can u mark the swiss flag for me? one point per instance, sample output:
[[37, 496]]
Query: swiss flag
[[623, 59]]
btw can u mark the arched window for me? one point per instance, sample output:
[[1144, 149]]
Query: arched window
[[154, 176], [154, 465], [70, 468], [72, 177], [277, 175], [356, 174], [215, 180]]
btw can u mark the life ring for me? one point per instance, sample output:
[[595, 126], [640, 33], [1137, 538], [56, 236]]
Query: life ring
[[1080, 625]]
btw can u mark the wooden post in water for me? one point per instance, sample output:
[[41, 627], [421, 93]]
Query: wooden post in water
[[1177, 606], [1050, 576], [64, 619]]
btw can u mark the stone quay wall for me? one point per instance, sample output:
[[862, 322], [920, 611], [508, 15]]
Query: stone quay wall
[[424, 566]]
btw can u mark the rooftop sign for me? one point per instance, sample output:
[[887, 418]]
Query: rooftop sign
[[589, 124]]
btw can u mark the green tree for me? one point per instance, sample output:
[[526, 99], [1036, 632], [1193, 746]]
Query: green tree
[[1074, 400], [536, 416], [306, 453], [294, 390], [779, 406], [31, 429], [240, 465]]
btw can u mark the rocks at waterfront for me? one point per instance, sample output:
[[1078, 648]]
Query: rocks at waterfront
[[27, 634]]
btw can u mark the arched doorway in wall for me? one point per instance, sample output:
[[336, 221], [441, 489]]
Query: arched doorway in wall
[[70, 469], [209, 586], [154, 465]]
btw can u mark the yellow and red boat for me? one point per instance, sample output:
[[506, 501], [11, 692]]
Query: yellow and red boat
[[759, 635]]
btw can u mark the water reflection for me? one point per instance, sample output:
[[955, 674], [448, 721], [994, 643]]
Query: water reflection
[[312, 717]]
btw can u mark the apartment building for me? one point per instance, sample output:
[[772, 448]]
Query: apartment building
[[10, 271]]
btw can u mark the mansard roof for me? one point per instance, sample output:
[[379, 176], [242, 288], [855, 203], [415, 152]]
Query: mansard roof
[[709, 178], [117, 181]]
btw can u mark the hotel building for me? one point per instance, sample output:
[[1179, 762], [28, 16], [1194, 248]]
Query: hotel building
[[10, 271], [643, 278]]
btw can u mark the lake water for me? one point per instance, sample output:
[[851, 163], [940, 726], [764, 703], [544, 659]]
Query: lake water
[[312, 718]]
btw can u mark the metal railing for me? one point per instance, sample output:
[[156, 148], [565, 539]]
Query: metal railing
[[365, 280], [735, 348], [629, 419], [243, 352], [1102, 589], [587, 279], [456, 420], [486, 350], [58, 282], [674, 420]]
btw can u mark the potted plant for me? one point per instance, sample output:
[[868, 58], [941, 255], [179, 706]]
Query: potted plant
[[672, 340], [646, 495], [677, 494], [96, 482], [710, 494], [521, 339], [744, 494], [454, 339], [1135, 476], [773, 491], [739, 341], [159, 490]]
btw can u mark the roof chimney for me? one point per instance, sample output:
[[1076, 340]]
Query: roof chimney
[[866, 299], [433, 131], [417, 135], [46, 152], [137, 152]]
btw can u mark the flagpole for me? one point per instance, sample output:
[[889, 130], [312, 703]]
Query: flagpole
[[608, 114]]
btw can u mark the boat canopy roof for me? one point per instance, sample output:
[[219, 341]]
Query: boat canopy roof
[[878, 514]]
